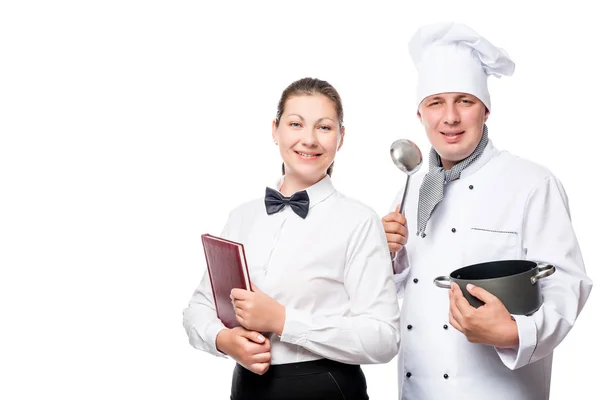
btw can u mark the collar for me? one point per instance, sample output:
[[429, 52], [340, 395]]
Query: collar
[[489, 152], [316, 193]]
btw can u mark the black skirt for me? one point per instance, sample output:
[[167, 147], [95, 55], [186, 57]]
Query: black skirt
[[311, 380]]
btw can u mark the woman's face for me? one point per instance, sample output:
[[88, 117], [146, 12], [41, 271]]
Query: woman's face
[[309, 136]]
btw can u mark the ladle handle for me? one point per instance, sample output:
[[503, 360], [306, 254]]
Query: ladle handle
[[404, 195], [402, 204]]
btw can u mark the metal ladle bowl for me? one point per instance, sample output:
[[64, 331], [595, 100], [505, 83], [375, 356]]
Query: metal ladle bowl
[[407, 156]]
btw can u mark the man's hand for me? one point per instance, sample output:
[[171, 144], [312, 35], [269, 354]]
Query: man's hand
[[396, 232], [250, 349], [489, 324]]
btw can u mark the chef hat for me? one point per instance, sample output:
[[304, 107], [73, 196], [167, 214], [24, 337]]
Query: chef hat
[[451, 57]]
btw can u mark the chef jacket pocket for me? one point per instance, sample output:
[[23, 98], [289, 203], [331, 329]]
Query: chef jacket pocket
[[485, 245]]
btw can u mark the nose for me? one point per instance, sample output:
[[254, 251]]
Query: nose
[[309, 137], [451, 116]]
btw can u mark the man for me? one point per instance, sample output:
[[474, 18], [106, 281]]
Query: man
[[476, 204]]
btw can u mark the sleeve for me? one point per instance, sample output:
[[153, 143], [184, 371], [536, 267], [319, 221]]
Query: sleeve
[[401, 267], [400, 260], [369, 333], [200, 317], [548, 236]]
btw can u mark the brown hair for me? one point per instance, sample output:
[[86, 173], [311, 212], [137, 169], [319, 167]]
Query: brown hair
[[308, 87]]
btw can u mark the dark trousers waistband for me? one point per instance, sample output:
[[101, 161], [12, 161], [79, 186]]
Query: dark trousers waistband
[[306, 368], [310, 380]]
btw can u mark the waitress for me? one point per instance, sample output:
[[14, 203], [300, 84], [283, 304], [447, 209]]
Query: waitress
[[476, 204], [320, 267]]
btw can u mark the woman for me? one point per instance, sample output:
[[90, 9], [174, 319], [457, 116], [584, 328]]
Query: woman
[[320, 268]]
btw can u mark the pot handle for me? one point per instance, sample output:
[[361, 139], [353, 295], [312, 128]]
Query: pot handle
[[544, 270], [440, 281]]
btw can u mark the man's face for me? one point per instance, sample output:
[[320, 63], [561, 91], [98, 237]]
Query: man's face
[[454, 124]]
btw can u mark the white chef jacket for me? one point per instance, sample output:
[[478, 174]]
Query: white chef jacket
[[332, 271], [502, 207]]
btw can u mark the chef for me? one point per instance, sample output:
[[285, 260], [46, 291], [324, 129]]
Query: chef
[[475, 203]]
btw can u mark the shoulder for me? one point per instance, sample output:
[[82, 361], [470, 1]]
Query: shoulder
[[527, 169], [247, 209], [518, 174], [353, 209]]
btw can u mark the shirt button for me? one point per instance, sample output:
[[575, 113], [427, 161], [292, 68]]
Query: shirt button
[[445, 326], [471, 187], [409, 327], [446, 376], [415, 280], [408, 374], [453, 230]]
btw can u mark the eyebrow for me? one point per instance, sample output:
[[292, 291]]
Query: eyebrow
[[460, 96], [319, 120]]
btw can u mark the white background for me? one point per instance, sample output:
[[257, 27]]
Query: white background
[[129, 128]]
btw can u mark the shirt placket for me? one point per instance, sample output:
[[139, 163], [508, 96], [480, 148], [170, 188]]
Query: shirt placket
[[277, 230]]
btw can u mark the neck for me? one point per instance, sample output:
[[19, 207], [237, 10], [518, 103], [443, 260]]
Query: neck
[[448, 164], [292, 184]]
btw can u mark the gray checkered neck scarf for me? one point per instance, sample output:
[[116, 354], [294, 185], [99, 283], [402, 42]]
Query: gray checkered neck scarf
[[432, 188]]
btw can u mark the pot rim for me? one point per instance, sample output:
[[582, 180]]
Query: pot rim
[[524, 273]]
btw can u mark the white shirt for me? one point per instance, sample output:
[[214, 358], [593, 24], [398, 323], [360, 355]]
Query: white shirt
[[502, 207], [332, 272]]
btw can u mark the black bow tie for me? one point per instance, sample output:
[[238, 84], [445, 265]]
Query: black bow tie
[[275, 202]]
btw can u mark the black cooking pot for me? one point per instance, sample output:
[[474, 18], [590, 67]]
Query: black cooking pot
[[513, 282]]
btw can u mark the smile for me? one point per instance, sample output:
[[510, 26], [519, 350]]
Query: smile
[[306, 155], [452, 134]]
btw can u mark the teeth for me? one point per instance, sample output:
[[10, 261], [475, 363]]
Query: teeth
[[451, 134], [306, 155]]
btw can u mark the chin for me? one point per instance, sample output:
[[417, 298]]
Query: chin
[[306, 171], [453, 154]]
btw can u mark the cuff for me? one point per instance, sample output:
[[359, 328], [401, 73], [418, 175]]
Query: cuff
[[401, 267], [296, 326], [211, 339], [520, 356], [400, 261]]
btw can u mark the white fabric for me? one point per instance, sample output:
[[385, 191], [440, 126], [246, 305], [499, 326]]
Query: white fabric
[[451, 57], [515, 210], [332, 272]]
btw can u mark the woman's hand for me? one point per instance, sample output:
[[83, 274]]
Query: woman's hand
[[257, 311], [250, 349]]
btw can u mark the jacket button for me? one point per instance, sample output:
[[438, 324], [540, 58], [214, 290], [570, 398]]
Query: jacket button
[[471, 187], [446, 376], [453, 230], [409, 327], [445, 326], [415, 280], [408, 374]]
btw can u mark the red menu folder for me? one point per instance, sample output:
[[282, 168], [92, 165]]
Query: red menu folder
[[227, 269]]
